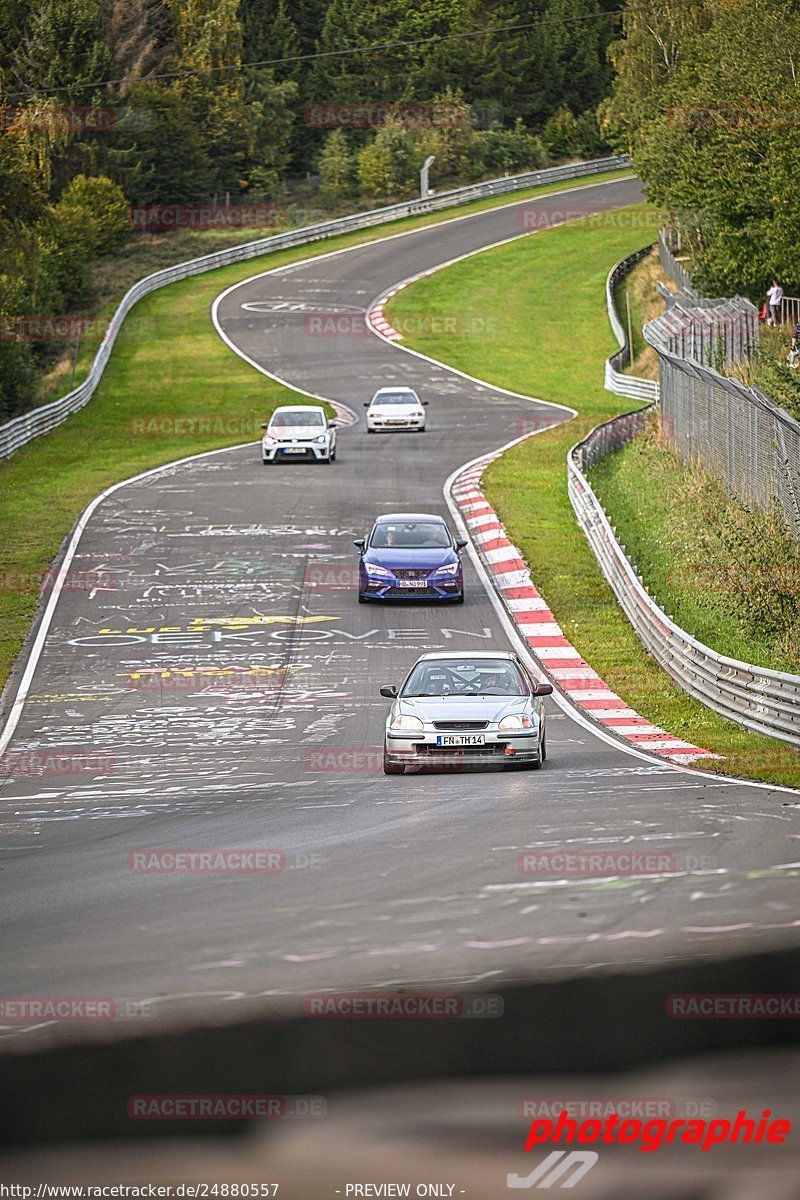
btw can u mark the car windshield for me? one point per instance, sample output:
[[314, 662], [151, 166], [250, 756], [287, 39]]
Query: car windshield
[[297, 417], [396, 398], [410, 535], [466, 677]]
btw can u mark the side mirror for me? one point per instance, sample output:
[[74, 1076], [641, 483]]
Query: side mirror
[[425, 402], [331, 424], [389, 691], [367, 403], [544, 689], [264, 425], [460, 544], [360, 544]]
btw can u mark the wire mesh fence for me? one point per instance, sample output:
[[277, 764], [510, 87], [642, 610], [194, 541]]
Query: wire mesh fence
[[714, 332], [735, 432]]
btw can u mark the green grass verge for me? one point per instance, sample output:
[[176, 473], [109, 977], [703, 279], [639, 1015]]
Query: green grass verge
[[727, 573], [168, 362], [548, 338]]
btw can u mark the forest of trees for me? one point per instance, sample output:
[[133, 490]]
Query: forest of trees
[[110, 104], [706, 97]]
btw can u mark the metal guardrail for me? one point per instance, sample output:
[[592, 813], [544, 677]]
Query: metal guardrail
[[762, 700], [632, 386], [23, 429]]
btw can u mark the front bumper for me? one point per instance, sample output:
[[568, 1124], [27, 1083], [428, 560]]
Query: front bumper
[[379, 588], [420, 749], [377, 425], [300, 451]]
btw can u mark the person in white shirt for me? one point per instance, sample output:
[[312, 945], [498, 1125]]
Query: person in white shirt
[[774, 300]]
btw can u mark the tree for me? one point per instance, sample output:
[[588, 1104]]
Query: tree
[[269, 33], [89, 221], [62, 48], [158, 155], [645, 61], [722, 143], [336, 165], [138, 34], [389, 163]]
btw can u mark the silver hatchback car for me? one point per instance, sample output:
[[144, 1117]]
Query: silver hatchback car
[[457, 708]]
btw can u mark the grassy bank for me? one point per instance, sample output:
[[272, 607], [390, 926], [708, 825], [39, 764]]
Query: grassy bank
[[168, 363], [556, 352], [727, 573]]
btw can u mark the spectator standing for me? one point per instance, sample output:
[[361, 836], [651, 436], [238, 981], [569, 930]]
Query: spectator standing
[[774, 300]]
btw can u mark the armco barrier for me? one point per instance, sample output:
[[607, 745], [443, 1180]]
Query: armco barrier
[[23, 429], [762, 700], [632, 386]]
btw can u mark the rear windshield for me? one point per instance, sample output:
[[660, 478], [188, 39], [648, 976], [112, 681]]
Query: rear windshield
[[396, 398], [410, 535], [296, 417], [467, 677]]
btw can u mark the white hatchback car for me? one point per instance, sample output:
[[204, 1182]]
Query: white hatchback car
[[299, 431], [395, 408]]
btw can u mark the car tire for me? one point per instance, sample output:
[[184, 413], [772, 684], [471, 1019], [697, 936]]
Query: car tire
[[422, 429], [543, 751], [361, 599], [390, 768], [370, 430], [459, 599]]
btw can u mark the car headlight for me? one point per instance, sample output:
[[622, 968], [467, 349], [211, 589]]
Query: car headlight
[[406, 722], [323, 437], [516, 721], [374, 569], [268, 441], [450, 569]]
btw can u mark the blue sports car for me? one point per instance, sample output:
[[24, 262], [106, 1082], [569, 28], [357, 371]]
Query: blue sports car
[[410, 556]]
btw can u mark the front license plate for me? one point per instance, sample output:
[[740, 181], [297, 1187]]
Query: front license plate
[[413, 583], [460, 739], [294, 450]]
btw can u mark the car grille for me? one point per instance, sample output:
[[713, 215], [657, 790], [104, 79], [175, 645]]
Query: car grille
[[411, 593], [402, 573], [461, 725], [490, 750]]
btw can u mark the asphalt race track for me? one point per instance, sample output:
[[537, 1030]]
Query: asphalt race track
[[220, 564]]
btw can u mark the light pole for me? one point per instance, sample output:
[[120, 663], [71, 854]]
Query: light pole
[[424, 186]]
